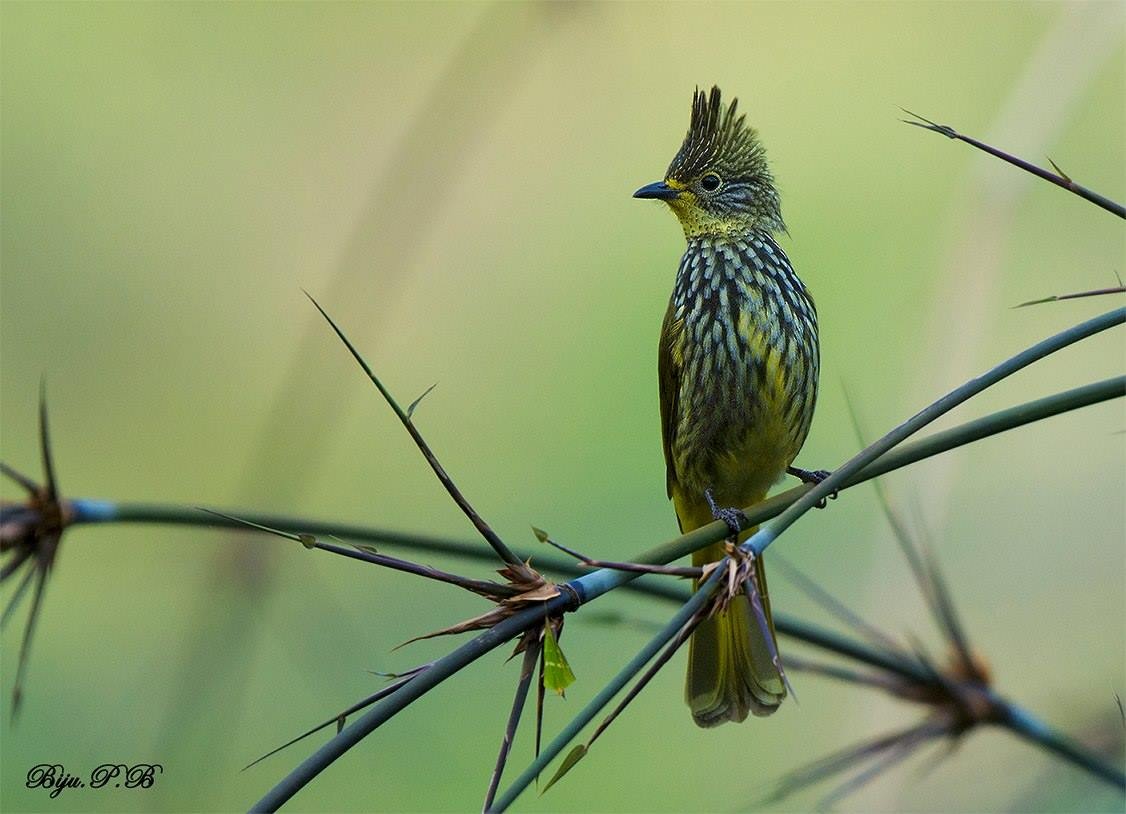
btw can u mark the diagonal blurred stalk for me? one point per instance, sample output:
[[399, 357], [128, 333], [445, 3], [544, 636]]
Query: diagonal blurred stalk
[[473, 87], [1038, 733], [924, 568], [849, 757]]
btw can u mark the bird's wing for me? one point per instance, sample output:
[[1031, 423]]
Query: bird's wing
[[669, 366]]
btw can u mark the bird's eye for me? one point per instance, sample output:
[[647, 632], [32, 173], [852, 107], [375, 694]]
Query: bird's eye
[[710, 182]]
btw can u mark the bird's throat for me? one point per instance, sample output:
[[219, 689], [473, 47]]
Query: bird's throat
[[698, 222]]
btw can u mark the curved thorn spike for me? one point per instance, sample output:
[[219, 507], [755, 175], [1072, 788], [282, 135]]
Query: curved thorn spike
[[17, 595], [28, 635]]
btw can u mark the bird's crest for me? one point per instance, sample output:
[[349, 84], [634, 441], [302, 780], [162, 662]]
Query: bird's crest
[[718, 139]]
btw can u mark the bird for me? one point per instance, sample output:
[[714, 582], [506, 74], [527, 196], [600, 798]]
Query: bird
[[738, 364]]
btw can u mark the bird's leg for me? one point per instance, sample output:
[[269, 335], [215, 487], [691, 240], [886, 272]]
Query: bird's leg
[[815, 477], [734, 518]]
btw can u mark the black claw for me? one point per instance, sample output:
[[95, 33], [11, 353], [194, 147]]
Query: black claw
[[814, 477], [734, 518]]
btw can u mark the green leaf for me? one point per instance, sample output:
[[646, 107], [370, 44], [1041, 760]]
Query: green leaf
[[557, 673], [365, 547], [541, 535], [573, 757]]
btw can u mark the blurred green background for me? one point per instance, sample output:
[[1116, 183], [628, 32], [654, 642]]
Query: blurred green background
[[453, 182]]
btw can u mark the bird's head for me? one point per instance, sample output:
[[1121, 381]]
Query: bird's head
[[719, 184]]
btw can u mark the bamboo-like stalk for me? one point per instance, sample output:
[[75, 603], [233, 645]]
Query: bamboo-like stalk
[[843, 475], [87, 511], [594, 584], [591, 586]]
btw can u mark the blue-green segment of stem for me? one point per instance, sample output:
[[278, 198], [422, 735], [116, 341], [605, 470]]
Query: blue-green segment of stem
[[1028, 726]]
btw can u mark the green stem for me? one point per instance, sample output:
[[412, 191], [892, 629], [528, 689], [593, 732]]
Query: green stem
[[862, 467], [844, 474], [418, 686], [787, 625], [444, 478], [1032, 729], [90, 511], [1057, 178]]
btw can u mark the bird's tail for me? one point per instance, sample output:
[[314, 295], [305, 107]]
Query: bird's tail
[[731, 670]]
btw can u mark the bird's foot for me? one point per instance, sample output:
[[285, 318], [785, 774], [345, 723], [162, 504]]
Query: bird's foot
[[815, 477], [808, 476], [734, 518]]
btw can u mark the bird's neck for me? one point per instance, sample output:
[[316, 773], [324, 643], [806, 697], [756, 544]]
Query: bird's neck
[[730, 254], [717, 267]]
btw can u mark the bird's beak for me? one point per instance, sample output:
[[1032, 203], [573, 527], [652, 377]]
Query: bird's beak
[[659, 190]]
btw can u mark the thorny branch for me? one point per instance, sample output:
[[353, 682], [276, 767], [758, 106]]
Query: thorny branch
[[1059, 178], [404, 417], [31, 536], [21, 518]]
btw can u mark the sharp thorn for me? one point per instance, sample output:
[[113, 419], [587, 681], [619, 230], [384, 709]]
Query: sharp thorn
[[45, 445], [415, 403], [25, 482]]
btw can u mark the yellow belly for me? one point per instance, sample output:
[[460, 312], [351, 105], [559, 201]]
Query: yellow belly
[[739, 477], [751, 456]]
